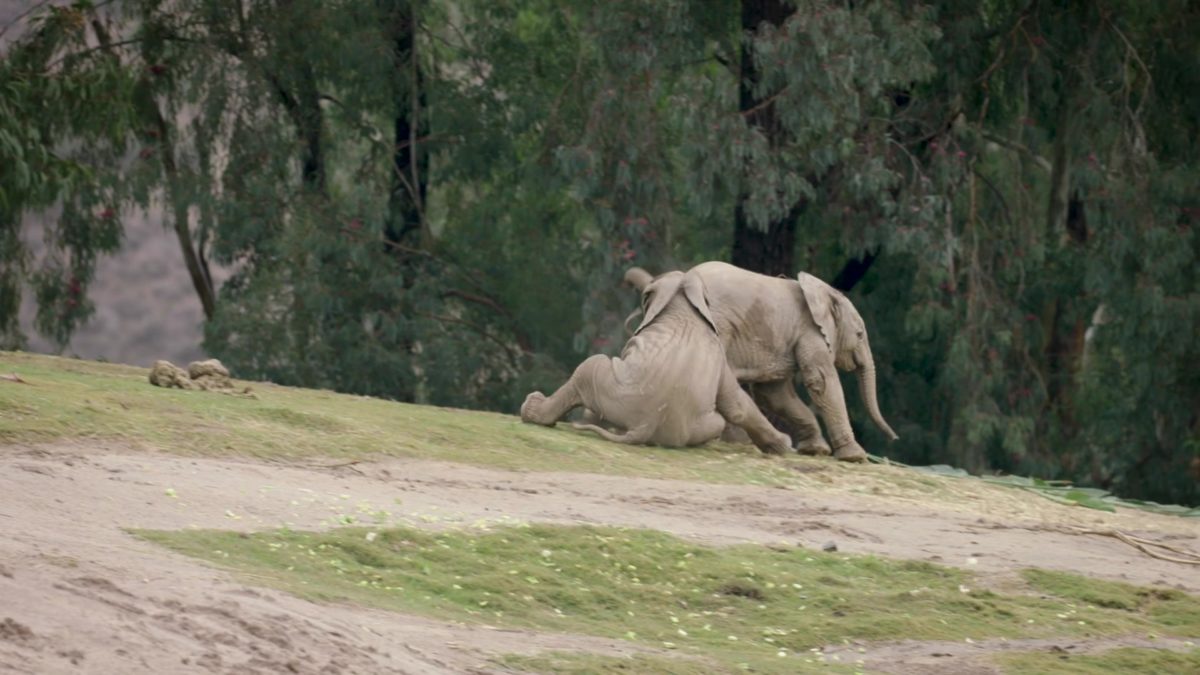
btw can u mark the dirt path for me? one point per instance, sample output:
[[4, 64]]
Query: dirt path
[[78, 593]]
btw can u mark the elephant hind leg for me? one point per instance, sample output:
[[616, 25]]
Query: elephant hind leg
[[707, 428], [736, 406], [780, 398], [547, 410]]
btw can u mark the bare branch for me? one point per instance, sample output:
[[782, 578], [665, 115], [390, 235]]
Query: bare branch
[[1020, 148]]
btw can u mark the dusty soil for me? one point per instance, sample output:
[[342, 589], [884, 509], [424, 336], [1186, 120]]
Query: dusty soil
[[79, 594]]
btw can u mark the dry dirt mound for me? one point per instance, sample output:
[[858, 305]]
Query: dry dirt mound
[[81, 594]]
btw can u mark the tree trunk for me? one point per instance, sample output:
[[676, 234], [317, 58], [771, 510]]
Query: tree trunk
[[193, 253], [853, 271], [768, 251], [309, 121], [410, 166]]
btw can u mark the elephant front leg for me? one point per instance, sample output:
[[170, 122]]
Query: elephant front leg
[[826, 392], [781, 399], [736, 406]]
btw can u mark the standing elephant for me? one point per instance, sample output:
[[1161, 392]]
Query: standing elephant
[[772, 328], [671, 385]]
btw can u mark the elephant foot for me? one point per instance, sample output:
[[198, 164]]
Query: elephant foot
[[532, 406], [815, 446], [853, 452], [735, 434], [780, 446]]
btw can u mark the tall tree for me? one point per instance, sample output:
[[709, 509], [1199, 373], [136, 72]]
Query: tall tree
[[767, 248]]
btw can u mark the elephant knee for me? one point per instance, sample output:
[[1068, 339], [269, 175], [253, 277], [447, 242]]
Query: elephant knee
[[588, 368], [814, 380], [736, 415]]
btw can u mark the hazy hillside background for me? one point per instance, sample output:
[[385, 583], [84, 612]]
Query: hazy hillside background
[[145, 306]]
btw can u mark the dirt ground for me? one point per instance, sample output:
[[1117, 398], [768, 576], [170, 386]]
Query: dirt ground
[[79, 594]]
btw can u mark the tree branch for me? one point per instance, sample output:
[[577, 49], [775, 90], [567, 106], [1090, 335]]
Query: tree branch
[[1042, 162]]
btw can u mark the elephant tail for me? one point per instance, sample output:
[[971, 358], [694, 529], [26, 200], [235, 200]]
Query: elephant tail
[[636, 436]]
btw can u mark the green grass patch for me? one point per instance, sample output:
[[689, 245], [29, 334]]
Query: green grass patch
[[577, 663], [1167, 607], [735, 605], [1123, 661]]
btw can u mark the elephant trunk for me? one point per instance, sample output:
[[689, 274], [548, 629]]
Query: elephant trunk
[[638, 278], [866, 388]]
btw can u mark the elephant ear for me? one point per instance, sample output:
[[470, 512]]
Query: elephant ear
[[822, 303], [693, 288], [656, 296]]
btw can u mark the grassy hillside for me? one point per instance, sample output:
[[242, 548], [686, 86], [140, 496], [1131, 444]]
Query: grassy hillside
[[72, 399], [691, 608], [68, 399]]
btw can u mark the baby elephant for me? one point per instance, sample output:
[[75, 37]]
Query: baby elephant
[[671, 385]]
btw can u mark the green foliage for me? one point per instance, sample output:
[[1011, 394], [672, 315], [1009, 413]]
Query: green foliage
[[435, 201], [735, 605], [1034, 326]]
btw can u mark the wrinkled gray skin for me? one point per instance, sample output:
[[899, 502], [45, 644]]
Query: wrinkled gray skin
[[773, 329], [670, 386]]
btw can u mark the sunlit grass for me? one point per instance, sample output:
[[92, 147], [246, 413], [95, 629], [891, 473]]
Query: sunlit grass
[[736, 605]]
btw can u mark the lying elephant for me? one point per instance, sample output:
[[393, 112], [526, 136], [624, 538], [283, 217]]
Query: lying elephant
[[772, 328], [671, 385]]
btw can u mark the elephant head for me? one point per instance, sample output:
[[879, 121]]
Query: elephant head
[[845, 335]]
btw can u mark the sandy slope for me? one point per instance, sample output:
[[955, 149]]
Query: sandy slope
[[78, 594]]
